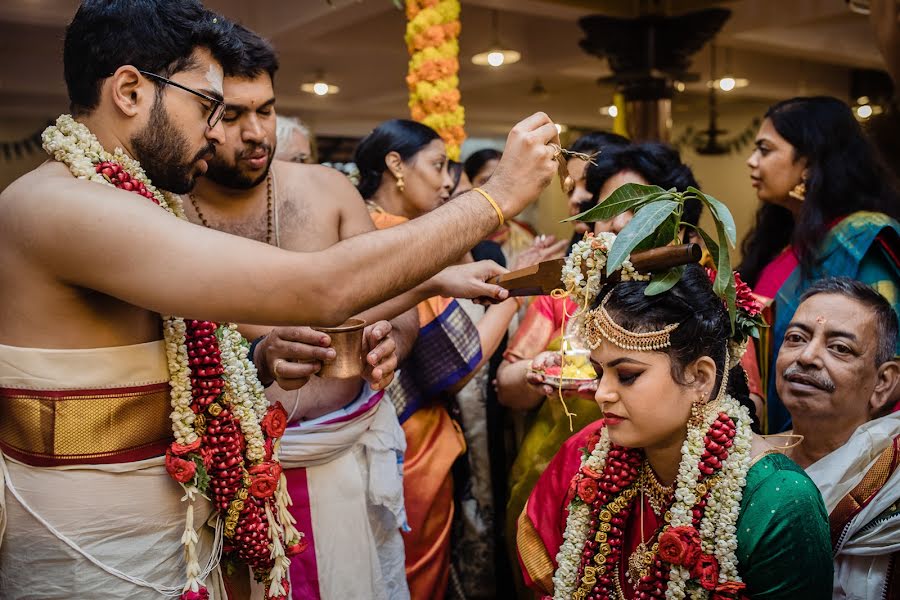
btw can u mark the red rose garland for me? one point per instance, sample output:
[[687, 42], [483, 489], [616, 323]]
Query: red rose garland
[[217, 459]]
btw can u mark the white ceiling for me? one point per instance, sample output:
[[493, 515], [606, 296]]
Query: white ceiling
[[359, 45]]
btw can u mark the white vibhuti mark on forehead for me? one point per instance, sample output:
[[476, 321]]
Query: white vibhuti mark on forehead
[[215, 78]]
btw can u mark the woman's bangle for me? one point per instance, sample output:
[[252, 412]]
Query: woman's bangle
[[493, 203]]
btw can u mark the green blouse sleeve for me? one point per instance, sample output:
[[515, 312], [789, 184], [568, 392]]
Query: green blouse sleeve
[[784, 545]]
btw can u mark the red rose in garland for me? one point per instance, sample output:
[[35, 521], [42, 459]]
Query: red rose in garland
[[730, 590], [587, 490], [680, 546], [179, 469], [706, 571], [262, 485], [182, 449], [270, 469], [587, 471], [298, 548], [275, 421]]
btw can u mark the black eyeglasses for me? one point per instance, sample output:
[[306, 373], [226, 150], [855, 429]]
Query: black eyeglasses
[[218, 106]]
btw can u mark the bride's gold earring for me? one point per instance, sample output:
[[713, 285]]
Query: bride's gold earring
[[401, 185], [696, 419], [799, 192]]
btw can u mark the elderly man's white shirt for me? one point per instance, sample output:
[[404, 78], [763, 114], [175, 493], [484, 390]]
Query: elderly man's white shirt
[[863, 553]]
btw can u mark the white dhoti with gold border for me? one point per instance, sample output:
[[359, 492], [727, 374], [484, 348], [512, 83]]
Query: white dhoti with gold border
[[87, 509]]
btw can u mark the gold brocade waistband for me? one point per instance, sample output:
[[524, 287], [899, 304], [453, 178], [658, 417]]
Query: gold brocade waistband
[[62, 427]]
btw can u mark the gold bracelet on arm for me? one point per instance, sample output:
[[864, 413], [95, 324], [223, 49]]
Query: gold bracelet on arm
[[493, 203]]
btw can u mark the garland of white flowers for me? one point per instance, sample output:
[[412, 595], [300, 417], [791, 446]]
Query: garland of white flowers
[[565, 578], [73, 144], [718, 528], [243, 391], [589, 256]]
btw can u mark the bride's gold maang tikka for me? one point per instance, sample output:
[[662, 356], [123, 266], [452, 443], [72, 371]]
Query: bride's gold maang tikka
[[598, 325]]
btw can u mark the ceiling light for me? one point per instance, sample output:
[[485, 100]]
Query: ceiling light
[[319, 86], [496, 57], [862, 100], [679, 86], [497, 54], [864, 111], [728, 83], [612, 110]]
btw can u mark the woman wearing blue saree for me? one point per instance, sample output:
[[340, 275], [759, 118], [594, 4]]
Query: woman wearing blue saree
[[830, 208]]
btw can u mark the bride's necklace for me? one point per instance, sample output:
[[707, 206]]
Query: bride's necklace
[[660, 495], [641, 560]]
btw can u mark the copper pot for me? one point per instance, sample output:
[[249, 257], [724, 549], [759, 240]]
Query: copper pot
[[346, 339]]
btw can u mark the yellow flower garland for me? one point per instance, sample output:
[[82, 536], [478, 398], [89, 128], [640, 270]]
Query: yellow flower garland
[[432, 33]]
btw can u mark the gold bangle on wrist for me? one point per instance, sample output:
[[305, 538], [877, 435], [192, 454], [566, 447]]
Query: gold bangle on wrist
[[493, 203]]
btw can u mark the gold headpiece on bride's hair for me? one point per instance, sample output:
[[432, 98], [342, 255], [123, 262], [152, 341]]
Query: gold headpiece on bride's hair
[[598, 325]]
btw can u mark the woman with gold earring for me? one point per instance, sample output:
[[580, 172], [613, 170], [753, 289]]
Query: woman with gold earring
[[404, 175], [672, 494], [829, 208]]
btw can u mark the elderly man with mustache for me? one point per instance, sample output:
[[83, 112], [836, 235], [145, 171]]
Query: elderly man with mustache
[[836, 373]]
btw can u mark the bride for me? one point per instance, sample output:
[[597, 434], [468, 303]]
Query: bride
[[672, 494]]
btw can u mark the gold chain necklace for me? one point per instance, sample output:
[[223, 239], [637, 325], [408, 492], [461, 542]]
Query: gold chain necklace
[[620, 593], [270, 211], [661, 496], [643, 557]]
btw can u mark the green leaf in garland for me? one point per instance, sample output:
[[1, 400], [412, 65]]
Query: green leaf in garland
[[720, 214], [628, 197], [644, 224], [201, 477], [663, 282]]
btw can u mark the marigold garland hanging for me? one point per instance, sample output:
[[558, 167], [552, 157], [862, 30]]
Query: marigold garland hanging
[[432, 38]]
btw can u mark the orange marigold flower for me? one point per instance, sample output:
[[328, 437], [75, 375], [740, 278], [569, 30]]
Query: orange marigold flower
[[417, 112]]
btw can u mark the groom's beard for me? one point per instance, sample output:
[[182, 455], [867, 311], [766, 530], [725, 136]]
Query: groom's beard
[[163, 153]]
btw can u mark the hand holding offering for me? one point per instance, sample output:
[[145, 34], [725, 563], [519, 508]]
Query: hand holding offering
[[550, 372]]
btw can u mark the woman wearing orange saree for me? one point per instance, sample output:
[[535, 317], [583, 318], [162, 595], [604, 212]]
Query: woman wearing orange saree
[[403, 174]]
